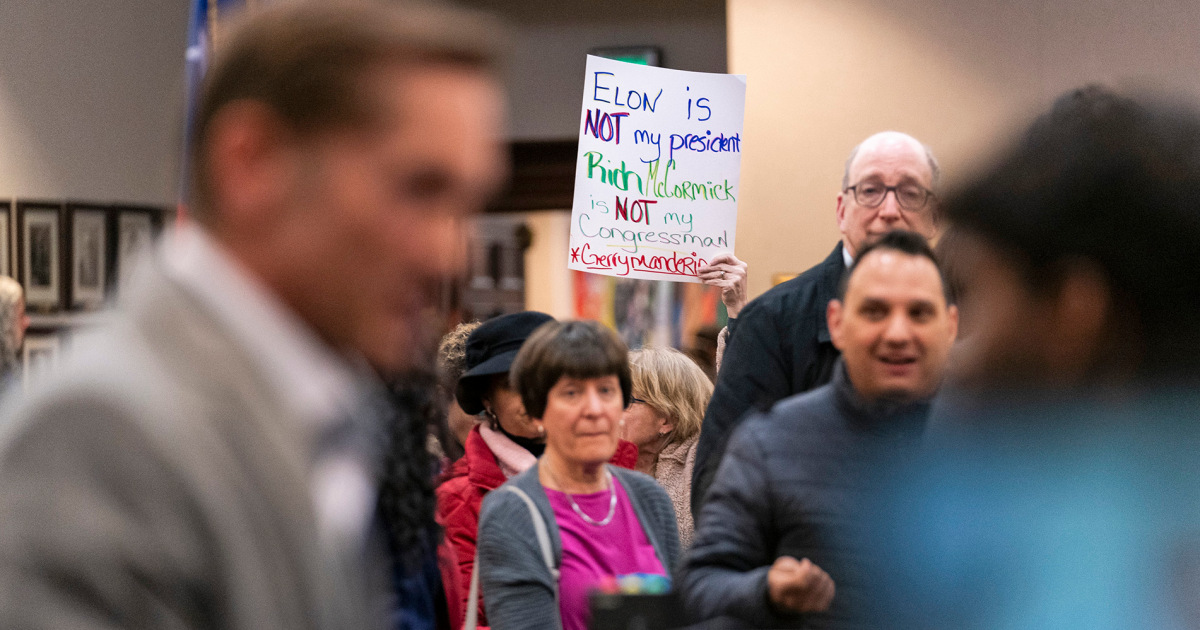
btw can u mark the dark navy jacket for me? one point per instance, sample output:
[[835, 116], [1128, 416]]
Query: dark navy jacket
[[795, 482], [780, 347]]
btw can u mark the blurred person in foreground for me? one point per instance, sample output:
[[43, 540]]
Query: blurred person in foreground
[[13, 324], [505, 444], [781, 344], [778, 541], [209, 459], [1060, 487], [670, 393], [451, 363], [602, 521]]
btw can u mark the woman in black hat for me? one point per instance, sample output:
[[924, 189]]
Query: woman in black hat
[[505, 444]]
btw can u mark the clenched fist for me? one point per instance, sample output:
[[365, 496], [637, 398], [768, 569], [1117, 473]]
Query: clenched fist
[[799, 586]]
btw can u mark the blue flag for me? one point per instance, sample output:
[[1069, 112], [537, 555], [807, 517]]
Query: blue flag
[[206, 20]]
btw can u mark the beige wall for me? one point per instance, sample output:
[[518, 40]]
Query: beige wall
[[547, 280], [552, 38], [957, 74], [91, 95]]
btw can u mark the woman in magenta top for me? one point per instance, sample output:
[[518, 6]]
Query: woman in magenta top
[[603, 522]]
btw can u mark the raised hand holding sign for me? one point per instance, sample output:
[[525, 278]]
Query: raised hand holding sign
[[656, 180]]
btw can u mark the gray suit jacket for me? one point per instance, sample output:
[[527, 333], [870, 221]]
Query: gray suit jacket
[[155, 482]]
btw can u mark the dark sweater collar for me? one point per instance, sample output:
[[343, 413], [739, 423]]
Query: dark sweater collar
[[832, 269], [883, 415]]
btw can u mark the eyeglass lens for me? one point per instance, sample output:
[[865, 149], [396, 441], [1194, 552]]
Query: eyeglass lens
[[909, 196]]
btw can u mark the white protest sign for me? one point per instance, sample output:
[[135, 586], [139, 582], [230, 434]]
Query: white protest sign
[[656, 179]]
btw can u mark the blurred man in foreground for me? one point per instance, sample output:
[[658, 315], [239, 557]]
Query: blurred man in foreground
[[778, 535], [206, 462], [780, 344], [1060, 489]]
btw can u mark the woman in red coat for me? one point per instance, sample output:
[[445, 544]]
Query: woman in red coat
[[505, 444]]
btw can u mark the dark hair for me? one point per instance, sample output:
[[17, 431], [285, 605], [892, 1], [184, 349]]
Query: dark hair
[[1114, 183], [307, 62], [902, 241], [578, 349], [951, 247], [406, 490]]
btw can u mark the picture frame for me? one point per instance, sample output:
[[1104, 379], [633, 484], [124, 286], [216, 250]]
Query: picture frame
[[40, 254], [88, 253], [6, 247], [39, 356], [135, 231]]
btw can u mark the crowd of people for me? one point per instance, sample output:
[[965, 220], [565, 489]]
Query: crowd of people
[[977, 412]]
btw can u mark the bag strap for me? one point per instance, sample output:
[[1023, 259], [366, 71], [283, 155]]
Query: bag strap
[[543, 538], [472, 621], [543, 534]]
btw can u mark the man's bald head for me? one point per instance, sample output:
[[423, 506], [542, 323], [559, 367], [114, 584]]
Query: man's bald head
[[894, 139]]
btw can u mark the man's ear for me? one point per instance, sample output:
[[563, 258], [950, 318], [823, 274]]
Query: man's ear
[[1079, 316], [833, 318], [251, 159], [952, 315], [841, 210]]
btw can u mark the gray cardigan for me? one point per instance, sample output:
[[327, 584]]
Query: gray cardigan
[[518, 589]]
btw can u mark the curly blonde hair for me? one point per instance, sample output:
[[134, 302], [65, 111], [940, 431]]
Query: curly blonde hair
[[452, 355], [674, 386]]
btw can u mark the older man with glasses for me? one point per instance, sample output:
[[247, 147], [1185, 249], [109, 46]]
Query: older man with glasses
[[780, 345]]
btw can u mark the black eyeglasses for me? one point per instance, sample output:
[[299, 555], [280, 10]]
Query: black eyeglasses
[[911, 197]]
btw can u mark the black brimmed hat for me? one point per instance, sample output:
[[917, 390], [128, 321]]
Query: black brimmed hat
[[490, 350]]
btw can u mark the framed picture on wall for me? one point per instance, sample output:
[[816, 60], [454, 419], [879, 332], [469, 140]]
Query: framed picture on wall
[[136, 229], [39, 356], [88, 254], [39, 243], [6, 262]]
